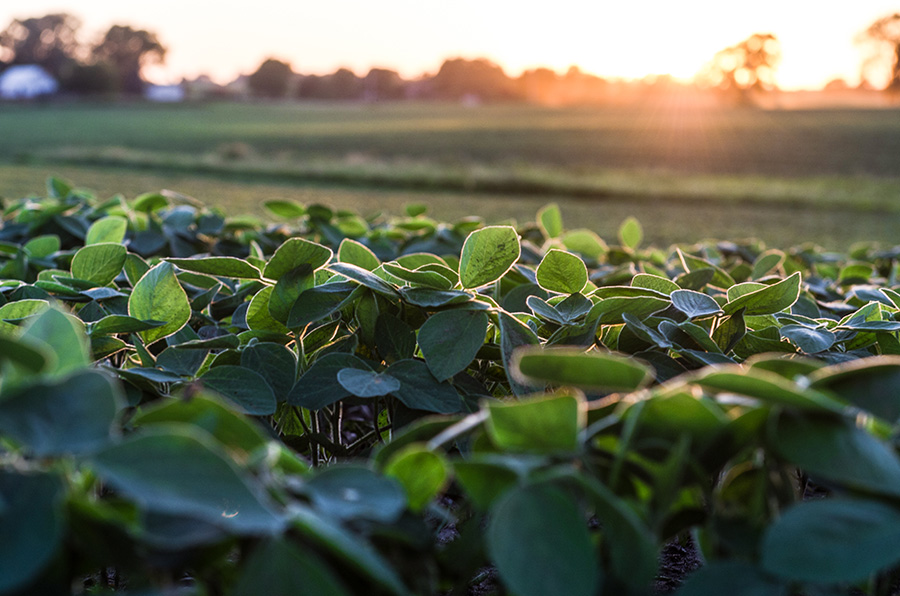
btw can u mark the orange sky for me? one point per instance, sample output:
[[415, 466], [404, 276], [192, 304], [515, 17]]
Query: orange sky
[[611, 39]]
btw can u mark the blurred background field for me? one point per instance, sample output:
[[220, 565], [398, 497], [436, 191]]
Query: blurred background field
[[688, 172]]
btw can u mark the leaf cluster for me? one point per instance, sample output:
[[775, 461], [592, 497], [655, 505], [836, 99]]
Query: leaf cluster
[[388, 405]]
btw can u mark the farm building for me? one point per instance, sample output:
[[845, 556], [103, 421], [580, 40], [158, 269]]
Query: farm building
[[26, 81]]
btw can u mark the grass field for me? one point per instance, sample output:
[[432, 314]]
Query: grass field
[[831, 176]]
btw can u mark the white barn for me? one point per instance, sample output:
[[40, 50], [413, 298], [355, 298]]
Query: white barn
[[26, 81]]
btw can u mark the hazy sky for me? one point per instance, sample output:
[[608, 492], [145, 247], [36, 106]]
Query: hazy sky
[[613, 38]]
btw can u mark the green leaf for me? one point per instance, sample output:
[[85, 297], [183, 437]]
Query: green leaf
[[219, 266], [423, 278], [242, 386], [282, 568], [158, 296], [319, 387], [433, 299], [32, 526], [585, 243], [485, 477], [258, 316], [630, 233], [588, 370], [542, 424], [135, 267], [31, 356], [766, 262], [549, 219], [287, 290], [180, 470], [833, 540], [365, 278], [736, 578], [609, 310], [767, 387], [294, 253], [811, 341], [72, 415], [513, 334], [872, 384], [729, 332], [694, 304], [273, 362], [654, 282], [838, 451], [487, 255], [768, 300], [111, 228], [632, 546], [285, 209], [349, 548], [673, 414], [422, 473], [64, 337], [21, 309], [548, 522], [240, 435], [394, 338], [112, 324], [695, 265], [41, 247], [561, 271], [419, 389], [353, 252], [99, 263], [320, 302], [450, 340], [367, 383], [350, 492], [151, 201]]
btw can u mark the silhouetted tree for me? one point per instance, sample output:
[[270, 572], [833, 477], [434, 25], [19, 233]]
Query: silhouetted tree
[[481, 78], [271, 79], [129, 51], [540, 85], [49, 41], [98, 78], [383, 84], [746, 67], [885, 33], [343, 84]]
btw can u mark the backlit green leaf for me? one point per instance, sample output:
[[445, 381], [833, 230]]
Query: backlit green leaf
[[487, 255], [561, 271], [159, 297], [99, 263], [111, 228], [539, 424], [590, 370]]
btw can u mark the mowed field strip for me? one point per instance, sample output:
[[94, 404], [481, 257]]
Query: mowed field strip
[[830, 176]]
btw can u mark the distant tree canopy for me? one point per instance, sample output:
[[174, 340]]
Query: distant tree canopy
[[746, 67], [479, 78], [271, 79], [885, 33], [383, 84], [343, 84], [113, 64], [49, 41], [128, 50]]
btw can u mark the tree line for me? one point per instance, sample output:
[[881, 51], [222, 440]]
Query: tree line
[[113, 64]]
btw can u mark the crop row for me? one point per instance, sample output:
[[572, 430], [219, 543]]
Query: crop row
[[346, 405]]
